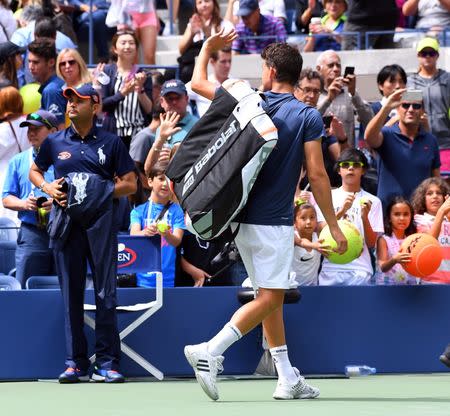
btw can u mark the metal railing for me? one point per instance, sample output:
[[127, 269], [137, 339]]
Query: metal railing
[[301, 39], [145, 66]]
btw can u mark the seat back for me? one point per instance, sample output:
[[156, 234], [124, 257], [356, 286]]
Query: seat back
[[8, 229], [9, 283], [7, 256], [42, 282], [138, 254]]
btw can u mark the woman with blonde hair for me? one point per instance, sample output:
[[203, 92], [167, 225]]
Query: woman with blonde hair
[[71, 68], [13, 139]]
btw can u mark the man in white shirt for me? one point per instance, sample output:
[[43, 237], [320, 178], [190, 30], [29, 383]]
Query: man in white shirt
[[221, 64], [363, 209]]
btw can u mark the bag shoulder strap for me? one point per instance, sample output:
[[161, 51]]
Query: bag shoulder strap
[[15, 136], [163, 211]]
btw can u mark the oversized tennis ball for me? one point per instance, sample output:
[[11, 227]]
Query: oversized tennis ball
[[426, 254], [162, 226], [31, 98], [354, 240]]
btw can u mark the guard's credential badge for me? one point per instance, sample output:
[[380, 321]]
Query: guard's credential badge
[[101, 156]]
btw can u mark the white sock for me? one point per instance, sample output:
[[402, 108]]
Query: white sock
[[282, 363], [226, 337]]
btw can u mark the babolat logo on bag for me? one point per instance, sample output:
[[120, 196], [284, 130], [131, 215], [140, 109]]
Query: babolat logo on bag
[[218, 162]]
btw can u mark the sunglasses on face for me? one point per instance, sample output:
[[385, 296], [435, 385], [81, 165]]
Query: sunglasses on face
[[37, 117], [415, 106], [346, 165], [70, 63], [424, 54]]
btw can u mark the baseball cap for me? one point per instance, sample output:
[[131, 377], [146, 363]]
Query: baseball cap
[[8, 49], [246, 7], [428, 43], [40, 118], [85, 91], [173, 85]]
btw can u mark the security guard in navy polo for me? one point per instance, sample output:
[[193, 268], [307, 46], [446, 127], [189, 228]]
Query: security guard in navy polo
[[92, 169]]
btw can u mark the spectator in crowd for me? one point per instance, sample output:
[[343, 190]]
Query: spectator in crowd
[[221, 64], [367, 16], [159, 215], [8, 23], [177, 120], [407, 154], [99, 161], [41, 62], [307, 246], [435, 85], [142, 142], [432, 206], [389, 79], [306, 9], [13, 139], [205, 22], [127, 97], [398, 225], [81, 19], [275, 8], [329, 27], [10, 62], [33, 256], [140, 16], [361, 208], [307, 90], [254, 24], [431, 14], [72, 69], [340, 96]]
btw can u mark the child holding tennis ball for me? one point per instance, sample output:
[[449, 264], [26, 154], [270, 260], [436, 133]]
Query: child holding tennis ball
[[308, 248], [398, 225], [159, 215]]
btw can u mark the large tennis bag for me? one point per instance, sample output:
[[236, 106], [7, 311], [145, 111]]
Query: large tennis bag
[[217, 163]]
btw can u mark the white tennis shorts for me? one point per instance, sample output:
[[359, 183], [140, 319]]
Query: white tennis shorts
[[267, 252]]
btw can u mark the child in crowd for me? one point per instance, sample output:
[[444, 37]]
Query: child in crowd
[[363, 209], [432, 207], [398, 225], [150, 218], [308, 248]]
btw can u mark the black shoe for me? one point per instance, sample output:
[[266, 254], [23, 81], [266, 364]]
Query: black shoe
[[445, 359], [73, 375]]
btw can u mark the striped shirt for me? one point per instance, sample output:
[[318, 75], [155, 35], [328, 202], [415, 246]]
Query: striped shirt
[[270, 30], [128, 114]]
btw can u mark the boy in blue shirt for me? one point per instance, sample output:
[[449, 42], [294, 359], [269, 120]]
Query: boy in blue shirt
[[149, 219]]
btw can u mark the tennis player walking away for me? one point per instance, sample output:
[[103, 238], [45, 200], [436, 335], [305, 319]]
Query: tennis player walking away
[[266, 236]]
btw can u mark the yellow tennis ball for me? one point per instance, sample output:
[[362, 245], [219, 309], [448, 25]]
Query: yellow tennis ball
[[162, 226], [355, 243]]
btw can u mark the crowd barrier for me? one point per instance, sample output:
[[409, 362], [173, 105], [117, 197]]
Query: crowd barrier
[[395, 329]]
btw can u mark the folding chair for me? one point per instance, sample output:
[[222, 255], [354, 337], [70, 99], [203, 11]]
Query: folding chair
[[9, 283], [42, 282], [137, 255], [7, 257]]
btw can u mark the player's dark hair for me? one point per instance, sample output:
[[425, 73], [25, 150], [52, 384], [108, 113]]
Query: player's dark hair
[[44, 48], [285, 59], [390, 72], [418, 196], [352, 155], [411, 229], [309, 74]]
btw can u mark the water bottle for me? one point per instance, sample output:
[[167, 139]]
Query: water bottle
[[359, 370]]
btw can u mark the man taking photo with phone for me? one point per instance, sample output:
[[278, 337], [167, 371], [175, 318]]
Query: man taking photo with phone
[[407, 153]]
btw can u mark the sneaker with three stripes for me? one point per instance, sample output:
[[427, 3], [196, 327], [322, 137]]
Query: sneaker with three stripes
[[206, 367]]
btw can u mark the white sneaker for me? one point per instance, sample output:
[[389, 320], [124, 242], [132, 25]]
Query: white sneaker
[[299, 390], [206, 367]]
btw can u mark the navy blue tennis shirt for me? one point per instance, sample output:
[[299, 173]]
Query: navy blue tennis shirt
[[100, 152]]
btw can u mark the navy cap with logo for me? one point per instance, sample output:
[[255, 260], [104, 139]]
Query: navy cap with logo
[[8, 49], [85, 92], [247, 7], [40, 118], [173, 85]]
